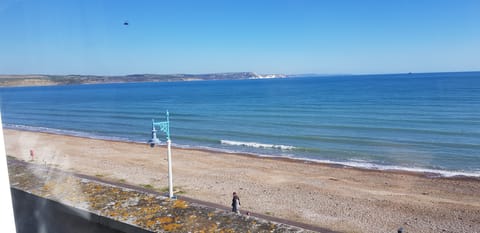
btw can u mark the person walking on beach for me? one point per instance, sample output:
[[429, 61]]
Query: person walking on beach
[[235, 203], [32, 154]]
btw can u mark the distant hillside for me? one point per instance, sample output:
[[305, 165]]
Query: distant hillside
[[49, 80]]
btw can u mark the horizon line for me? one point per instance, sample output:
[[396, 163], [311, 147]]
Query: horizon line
[[236, 72]]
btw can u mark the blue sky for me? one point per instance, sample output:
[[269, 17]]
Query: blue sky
[[278, 36]]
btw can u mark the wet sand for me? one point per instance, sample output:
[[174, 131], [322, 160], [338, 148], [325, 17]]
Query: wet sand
[[340, 198]]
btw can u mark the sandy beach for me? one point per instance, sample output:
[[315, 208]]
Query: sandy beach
[[339, 198]]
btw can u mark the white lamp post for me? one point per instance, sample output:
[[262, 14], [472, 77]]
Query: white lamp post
[[164, 126]]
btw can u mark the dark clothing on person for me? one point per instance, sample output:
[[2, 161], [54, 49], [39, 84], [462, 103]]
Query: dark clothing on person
[[236, 204]]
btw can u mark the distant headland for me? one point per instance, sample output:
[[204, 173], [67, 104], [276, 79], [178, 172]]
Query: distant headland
[[22, 80], [51, 80]]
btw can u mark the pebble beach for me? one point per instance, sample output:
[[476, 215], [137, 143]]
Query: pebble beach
[[340, 198]]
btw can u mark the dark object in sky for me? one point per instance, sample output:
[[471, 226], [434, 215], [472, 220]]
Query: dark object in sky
[[125, 23]]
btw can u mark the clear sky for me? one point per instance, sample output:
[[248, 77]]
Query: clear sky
[[277, 36]]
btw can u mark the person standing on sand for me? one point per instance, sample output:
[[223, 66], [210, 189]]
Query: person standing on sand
[[235, 203]]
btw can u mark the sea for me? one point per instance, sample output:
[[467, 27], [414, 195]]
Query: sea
[[426, 122]]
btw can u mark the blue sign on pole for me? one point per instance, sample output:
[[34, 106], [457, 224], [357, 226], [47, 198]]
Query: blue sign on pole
[[164, 126]]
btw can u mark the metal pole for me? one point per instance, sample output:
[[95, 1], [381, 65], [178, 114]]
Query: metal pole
[[170, 176], [164, 127]]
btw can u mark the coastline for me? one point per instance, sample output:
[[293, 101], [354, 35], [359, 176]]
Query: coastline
[[425, 172], [339, 165], [32, 80], [333, 196]]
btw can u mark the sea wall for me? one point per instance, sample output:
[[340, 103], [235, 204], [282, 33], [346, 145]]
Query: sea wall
[[37, 214]]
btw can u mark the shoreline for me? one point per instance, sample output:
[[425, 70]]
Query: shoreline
[[424, 172], [334, 197], [339, 165]]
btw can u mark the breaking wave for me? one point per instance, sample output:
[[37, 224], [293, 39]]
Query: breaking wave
[[256, 145]]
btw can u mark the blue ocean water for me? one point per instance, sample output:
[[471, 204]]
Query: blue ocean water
[[420, 122]]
